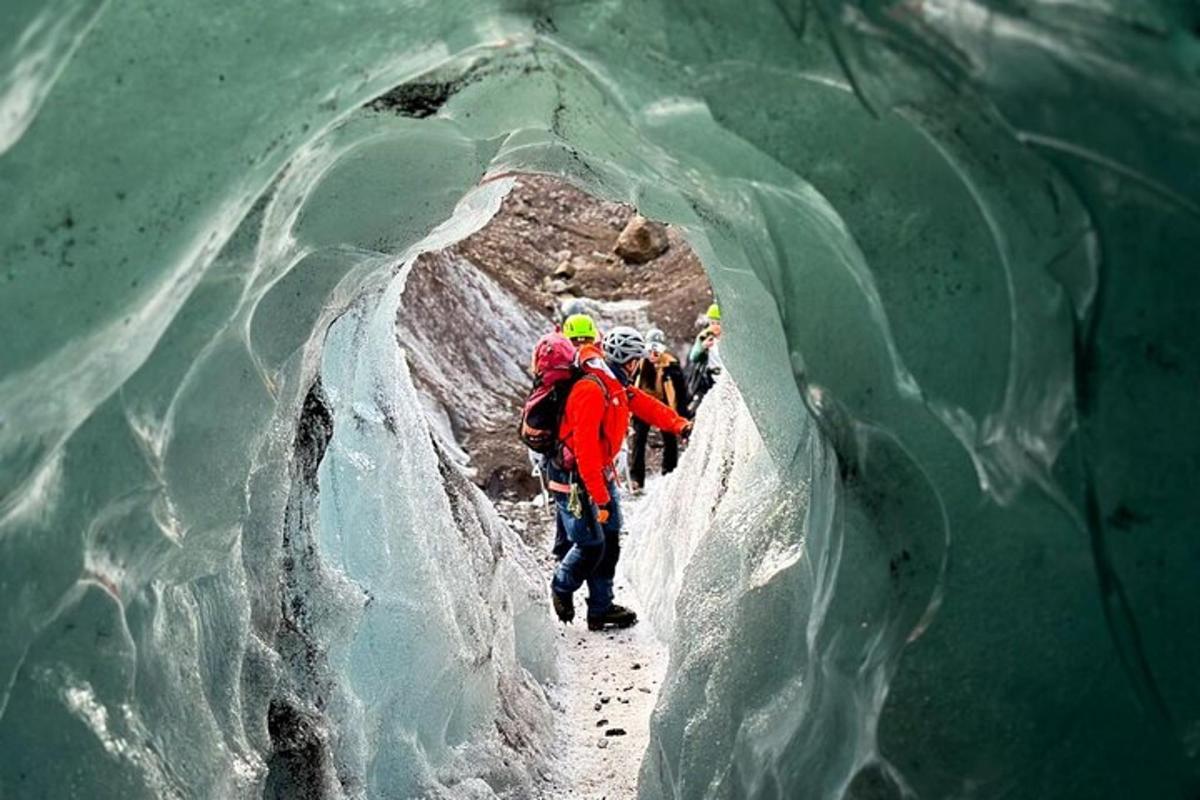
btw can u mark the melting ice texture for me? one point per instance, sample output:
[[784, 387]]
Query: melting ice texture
[[954, 242]]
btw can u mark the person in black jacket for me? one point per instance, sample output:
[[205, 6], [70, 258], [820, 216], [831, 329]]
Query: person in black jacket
[[661, 376], [704, 360]]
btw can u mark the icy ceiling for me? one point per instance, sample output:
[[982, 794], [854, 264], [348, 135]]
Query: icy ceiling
[[962, 236]]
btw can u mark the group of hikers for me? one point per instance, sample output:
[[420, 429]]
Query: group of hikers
[[587, 389]]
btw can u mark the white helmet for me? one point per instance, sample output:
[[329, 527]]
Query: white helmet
[[623, 344], [656, 341]]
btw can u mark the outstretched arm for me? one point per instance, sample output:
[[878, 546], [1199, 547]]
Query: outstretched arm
[[652, 412]]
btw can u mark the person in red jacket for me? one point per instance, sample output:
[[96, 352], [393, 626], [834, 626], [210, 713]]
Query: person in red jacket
[[595, 420]]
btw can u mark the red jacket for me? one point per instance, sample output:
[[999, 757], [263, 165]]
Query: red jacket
[[595, 420]]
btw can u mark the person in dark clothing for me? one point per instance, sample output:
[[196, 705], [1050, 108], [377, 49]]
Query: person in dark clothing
[[660, 376], [704, 360]]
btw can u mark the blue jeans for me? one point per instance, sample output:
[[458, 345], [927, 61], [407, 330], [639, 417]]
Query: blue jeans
[[591, 550]]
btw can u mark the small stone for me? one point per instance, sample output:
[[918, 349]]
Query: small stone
[[643, 689], [605, 699], [559, 286], [615, 732], [603, 743], [565, 270], [601, 723], [636, 666], [596, 707]]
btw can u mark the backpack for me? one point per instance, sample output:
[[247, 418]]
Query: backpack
[[555, 372]]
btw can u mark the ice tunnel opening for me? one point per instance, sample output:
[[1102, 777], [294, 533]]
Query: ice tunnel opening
[[761, 549], [375, 163], [736, 487], [468, 322]]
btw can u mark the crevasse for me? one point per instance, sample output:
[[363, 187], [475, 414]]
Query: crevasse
[[954, 242]]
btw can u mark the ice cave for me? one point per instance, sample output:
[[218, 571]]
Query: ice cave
[[949, 553]]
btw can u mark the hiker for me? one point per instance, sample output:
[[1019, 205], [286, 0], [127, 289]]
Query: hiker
[[704, 360], [660, 376], [595, 420]]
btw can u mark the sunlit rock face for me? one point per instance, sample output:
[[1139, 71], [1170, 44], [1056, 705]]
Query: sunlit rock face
[[954, 243]]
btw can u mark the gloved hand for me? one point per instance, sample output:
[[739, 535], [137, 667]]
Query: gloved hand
[[602, 515], [686, 432]]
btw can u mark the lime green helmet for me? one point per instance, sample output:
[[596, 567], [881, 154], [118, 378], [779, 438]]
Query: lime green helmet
[[714, 313], [580, 326]]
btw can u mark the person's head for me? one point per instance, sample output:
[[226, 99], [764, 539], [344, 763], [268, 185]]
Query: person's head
[[624, 347], [714, 313], [580, 329], [656, 342]]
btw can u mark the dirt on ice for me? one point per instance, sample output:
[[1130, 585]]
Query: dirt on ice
[[610, 683]]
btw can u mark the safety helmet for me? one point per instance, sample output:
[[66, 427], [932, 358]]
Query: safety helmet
[[656, 341], [714, 313], [579, 326], [624, 344]]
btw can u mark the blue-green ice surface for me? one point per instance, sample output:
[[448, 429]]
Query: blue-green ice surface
[[956, 243]]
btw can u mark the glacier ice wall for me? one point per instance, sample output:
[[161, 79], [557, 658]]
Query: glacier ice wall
[[453, 601], [728, 480], [954, 239]]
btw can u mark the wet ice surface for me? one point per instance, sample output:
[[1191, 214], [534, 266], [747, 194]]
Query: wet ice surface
[[957, 237], [727, 470]]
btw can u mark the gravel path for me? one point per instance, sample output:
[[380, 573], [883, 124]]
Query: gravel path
[[609, 685]]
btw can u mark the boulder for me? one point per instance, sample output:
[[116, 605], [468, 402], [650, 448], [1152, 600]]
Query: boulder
[[641, 240]]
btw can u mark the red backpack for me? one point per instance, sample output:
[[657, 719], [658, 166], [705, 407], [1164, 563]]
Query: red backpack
[[555, 372]]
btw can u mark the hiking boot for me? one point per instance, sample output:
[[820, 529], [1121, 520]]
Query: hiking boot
[[617, 617], [564, 606]]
